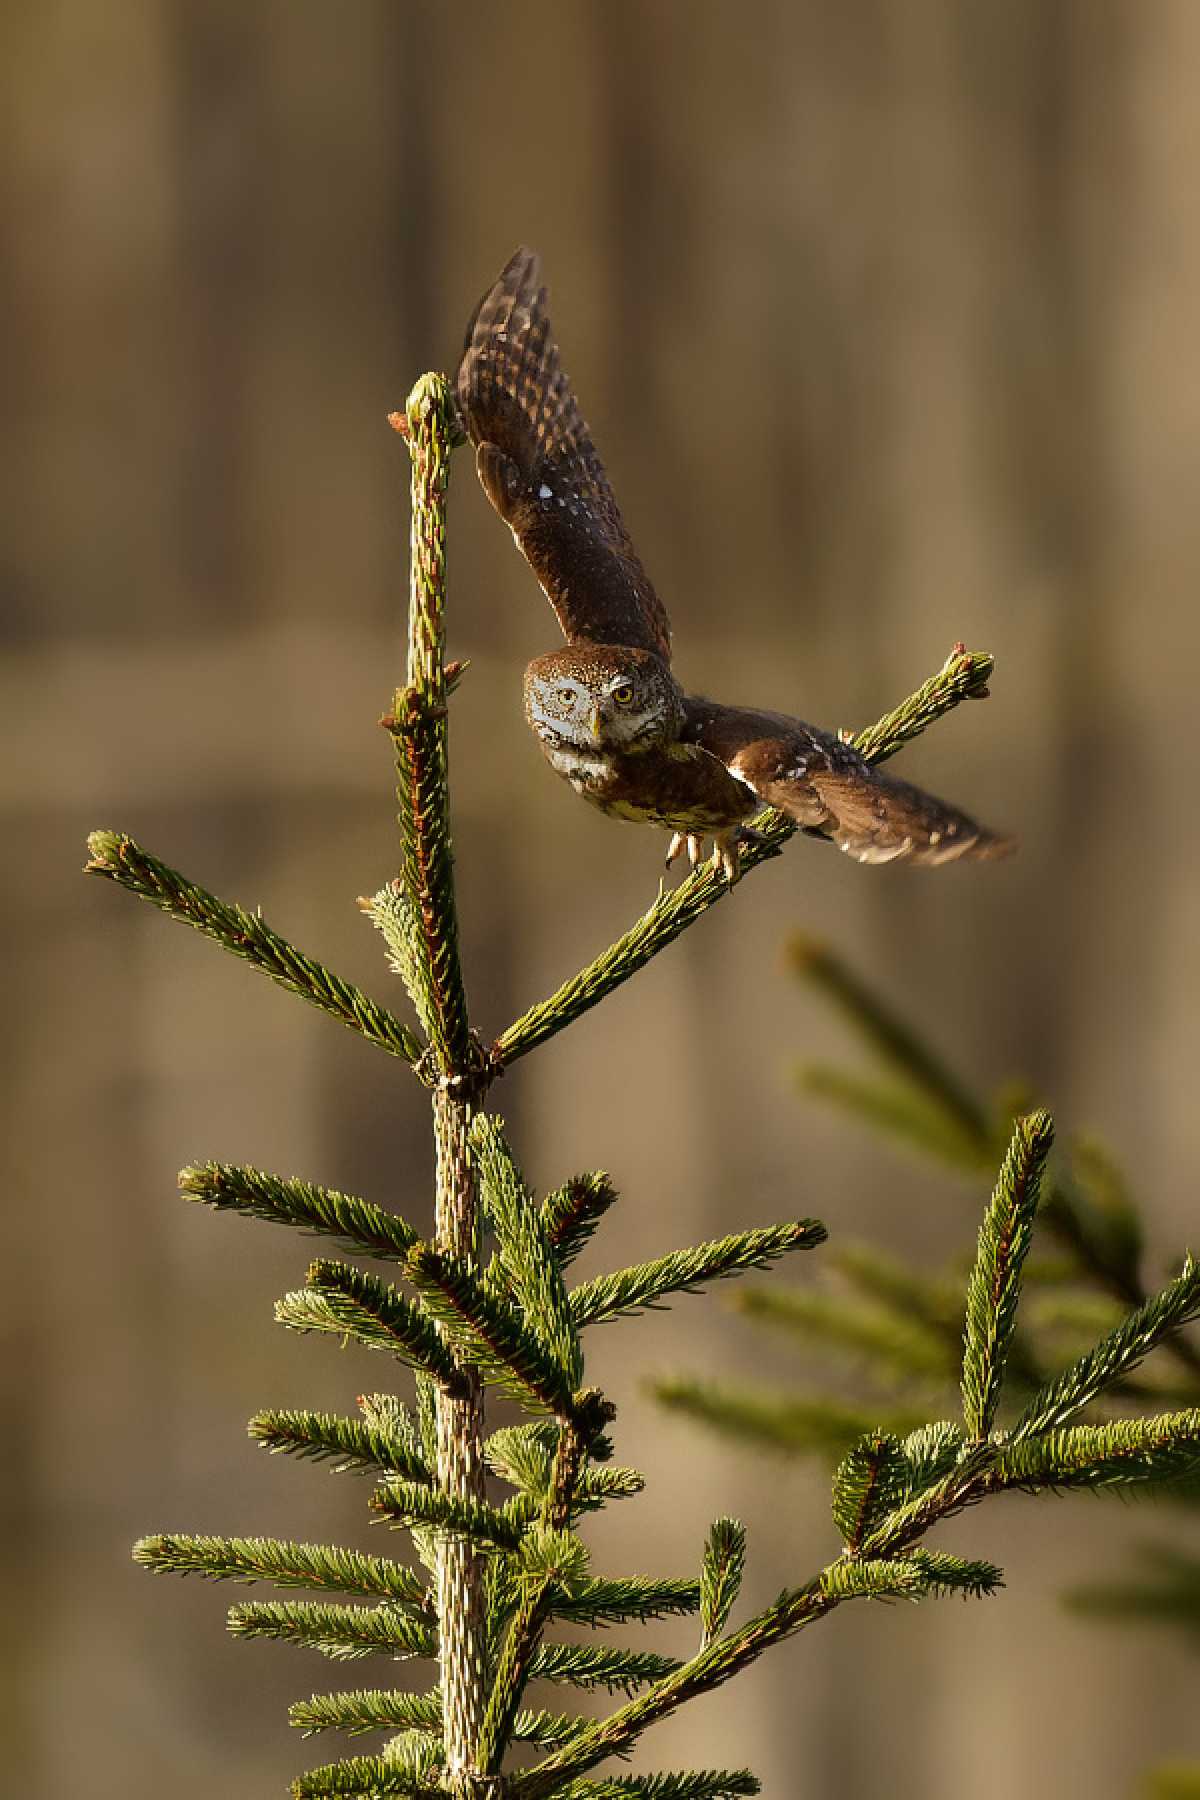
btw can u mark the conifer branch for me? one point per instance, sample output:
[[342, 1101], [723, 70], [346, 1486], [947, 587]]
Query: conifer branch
[[328, 1566], [522, 1644], [930, 1452], [1115, 1356], [947, 1574], [887, 1567], [486, 1332], [1122, 1452], [409, 1503], [964, 1483], [720, 1575], [350, 1302], [343, 1633], [357, 1226], [597, 1486], [898, 1342], [393, 915], [995, 1284], [870, 1479], [614, 1602], [547, 1729], [353, 1444], [572, 1212], [1118, 1453], [788, 1425], [367, 1709], [514, 1667], [626, 1291], [1089, 1211], [533, 1272], [890, 1038], [363, 1778], [889, 1496], [963, 676], [932, 1302], [118, 858], [708, 1669], [910, 1577], [524, 1455], [878, 1576], [391, 1709], [894, 1110], [598, 1665]]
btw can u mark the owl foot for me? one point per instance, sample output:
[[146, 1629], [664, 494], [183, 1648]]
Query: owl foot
[[692, 841], [725, 853], [725, 849]]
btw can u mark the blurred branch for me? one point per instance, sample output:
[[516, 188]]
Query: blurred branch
[[1087, 1207]]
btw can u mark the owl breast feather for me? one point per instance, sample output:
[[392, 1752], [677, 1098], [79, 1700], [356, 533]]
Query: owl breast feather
[[678, 787]]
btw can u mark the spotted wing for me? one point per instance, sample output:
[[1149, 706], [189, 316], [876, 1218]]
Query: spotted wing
[[540, 470], [828, 788]]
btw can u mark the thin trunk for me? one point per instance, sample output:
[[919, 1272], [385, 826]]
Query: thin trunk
[[460, 1471]]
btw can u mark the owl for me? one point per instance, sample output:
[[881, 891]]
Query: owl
[[607, 710]]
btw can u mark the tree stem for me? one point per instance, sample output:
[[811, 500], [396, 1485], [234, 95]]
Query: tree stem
[[460, 1470]]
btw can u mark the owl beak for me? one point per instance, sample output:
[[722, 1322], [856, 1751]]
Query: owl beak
[[594, 721]]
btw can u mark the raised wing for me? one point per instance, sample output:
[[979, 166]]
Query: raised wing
[[540, 470], [827, 787]]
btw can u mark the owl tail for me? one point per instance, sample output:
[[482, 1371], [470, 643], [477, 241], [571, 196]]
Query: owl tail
[[877, 819]]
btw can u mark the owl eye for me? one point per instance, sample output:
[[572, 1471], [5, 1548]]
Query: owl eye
[[623, 693], [565, 696]]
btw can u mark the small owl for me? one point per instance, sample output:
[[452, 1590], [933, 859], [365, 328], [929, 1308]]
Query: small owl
[[609, 714]]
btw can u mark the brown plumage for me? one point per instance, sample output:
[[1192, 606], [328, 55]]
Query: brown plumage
[[540, 470], [608, 712]]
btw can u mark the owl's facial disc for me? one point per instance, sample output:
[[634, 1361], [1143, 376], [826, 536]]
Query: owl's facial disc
[[558, 707], [595, 698]]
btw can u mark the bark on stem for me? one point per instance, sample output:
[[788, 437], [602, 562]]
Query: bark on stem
[[460, 1472], [419, 727]]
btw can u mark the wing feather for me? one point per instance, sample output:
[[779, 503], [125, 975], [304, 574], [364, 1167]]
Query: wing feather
[[829, 789], [541, 471]]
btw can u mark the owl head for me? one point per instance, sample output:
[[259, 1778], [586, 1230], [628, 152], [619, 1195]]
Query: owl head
[[603, 697]]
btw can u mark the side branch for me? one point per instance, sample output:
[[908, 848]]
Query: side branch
[[964, 676], [118, 858], [516, 1660], [711, 1667], [887, 1566]]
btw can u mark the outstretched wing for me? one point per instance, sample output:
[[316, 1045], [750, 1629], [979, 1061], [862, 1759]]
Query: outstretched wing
[[540, 470], [828, 788]]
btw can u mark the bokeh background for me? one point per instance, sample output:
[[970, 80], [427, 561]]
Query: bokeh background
[[884, 315]]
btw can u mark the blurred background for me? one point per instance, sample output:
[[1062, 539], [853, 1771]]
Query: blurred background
[[884, 319]]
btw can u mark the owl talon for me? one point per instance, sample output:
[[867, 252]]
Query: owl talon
[[692, 842], [725, 855]]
